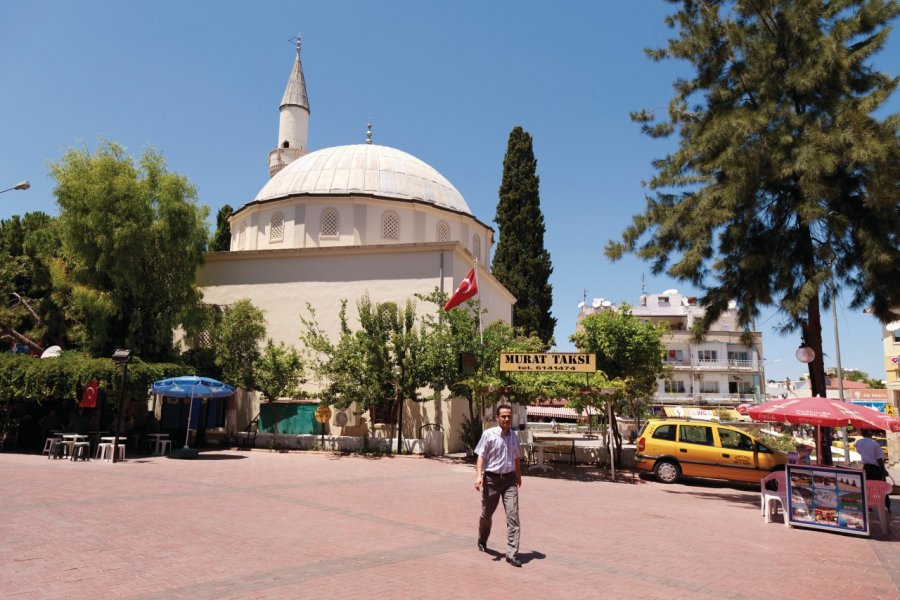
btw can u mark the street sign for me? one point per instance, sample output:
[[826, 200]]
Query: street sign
[[323, 414], [567, 362]]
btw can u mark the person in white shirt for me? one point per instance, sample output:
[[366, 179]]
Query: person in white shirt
[[872, 457], [498, 474]]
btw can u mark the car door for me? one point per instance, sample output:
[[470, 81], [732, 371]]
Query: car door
[[697, 450], [739, 456]]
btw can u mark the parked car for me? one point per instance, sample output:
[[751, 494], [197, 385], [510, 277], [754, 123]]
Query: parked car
[[672, 448]]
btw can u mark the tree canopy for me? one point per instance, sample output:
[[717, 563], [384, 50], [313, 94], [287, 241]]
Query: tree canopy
[[521, 262], [784, 176], [236, 339], [132, 236], [221, 240]]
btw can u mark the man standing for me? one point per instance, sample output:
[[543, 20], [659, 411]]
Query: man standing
[[498, 473], [872, 457]]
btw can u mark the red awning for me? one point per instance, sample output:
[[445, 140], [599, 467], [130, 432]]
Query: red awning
[[554, 412]]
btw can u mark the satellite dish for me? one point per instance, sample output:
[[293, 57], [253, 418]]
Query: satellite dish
[[893, 326], [670, 292], [51, 352], [581, 305], [606, 303], [597, 302]]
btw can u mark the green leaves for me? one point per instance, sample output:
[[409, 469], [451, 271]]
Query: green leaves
[[236, 340]]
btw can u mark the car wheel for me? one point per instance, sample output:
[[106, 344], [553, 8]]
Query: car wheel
[[667, 471]]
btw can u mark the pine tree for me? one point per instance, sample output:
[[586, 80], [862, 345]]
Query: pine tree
[[521, 263], [783, 177]]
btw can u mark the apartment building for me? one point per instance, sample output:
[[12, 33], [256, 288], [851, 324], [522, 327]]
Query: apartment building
[[891, 340], [718, 371]]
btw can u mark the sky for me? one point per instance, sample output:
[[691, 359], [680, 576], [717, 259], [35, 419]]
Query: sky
[[201, 81]]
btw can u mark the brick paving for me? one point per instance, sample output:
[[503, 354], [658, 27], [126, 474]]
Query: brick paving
[[268, 525]]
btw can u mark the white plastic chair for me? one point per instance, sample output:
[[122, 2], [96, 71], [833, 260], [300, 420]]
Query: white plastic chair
[[875, 494], [768, 498]]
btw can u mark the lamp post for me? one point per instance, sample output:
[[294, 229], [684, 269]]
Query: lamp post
[[22, 185], [120, 357]]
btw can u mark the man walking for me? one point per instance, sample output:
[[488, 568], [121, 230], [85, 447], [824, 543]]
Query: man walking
[[498, 473]]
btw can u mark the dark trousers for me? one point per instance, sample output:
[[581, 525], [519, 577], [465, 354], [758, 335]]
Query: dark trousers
[[493, 488]]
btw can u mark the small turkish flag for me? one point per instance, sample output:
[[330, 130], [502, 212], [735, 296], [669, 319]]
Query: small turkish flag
[[89, 397], [468, 287]]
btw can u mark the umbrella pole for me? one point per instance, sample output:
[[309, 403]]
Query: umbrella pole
[[818, 444], [187, 436]]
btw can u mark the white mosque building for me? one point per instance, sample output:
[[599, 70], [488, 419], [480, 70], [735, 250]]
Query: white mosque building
[[340, 222]]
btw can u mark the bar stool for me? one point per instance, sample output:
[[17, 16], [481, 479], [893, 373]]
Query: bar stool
[[107, 452], [59, 449]]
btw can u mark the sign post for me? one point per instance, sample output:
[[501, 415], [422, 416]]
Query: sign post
[[323, 415]]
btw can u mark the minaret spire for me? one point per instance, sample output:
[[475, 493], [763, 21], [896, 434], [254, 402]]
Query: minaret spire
[[293, 124]]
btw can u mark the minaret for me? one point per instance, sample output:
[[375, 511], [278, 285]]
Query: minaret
[[293, 124]]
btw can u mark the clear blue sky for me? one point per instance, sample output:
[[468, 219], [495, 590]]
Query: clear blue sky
[[446, 82]]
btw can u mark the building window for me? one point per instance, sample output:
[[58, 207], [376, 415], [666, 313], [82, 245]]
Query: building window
[[476, 246], [204, 339], [740, 387], [443, 232], [276, 228], [897, 337], [709, 387], [242, 236], [330, 223], [675, 387], [675, 357], [390, 226], [739, 359], [707, 356]]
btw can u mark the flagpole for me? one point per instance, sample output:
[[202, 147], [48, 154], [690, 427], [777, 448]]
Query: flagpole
[[480, 328]]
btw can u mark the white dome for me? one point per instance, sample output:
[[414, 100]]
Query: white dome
[[364, 169]]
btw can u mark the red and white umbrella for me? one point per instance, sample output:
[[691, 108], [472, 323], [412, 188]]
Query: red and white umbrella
[[823, 412]]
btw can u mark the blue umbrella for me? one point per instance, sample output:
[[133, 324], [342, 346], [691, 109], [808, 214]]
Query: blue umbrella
[[191, 386]]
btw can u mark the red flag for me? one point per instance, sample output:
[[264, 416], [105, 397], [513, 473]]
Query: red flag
[[468, 287], [89, 397]]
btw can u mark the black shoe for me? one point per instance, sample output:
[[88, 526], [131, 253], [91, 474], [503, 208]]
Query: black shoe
[[482, 547], [514, 561]]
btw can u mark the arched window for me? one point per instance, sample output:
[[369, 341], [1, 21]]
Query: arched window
[[242, 236], [276, 228], [285, 144], [329, 226], [476, 246], [390, 226], [443, 232]]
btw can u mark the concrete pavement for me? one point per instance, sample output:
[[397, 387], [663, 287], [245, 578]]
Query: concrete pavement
[[269, 525]]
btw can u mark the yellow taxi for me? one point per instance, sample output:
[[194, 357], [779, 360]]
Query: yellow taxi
[[672, 448], [852, 439]]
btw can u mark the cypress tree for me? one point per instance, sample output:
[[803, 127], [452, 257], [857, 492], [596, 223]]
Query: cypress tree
[[784, 177], [521, 263], [221, 241]]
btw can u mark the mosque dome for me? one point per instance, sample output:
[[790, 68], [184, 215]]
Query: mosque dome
[[368, 169]]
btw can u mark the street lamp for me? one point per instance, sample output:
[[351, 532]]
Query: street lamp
[[120, 357], [805, 354], [22, 185]]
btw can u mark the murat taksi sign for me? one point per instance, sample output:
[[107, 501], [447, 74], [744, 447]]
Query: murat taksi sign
[[571, 362]]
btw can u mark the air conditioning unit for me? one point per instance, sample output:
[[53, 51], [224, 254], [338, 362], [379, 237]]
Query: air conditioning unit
[[346, 418]]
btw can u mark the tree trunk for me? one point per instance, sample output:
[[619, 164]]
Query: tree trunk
[[812, 334]]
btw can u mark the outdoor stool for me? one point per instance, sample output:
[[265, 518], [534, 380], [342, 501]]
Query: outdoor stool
[[59, 449], [107, 453], [49, 443], [81, 450], [102, 449], [162, 447]]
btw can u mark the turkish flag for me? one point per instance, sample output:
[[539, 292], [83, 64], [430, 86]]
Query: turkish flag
[[89, 397], [468, 287]]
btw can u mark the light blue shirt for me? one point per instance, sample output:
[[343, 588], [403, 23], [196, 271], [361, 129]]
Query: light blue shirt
[[499, 452]]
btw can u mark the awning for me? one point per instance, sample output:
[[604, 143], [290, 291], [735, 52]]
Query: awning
[[554, 412]]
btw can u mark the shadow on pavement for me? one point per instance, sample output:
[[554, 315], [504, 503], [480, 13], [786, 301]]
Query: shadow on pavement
[[214, 456], [583, 473]]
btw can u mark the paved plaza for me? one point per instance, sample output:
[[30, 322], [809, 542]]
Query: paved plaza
[[271, 525]]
